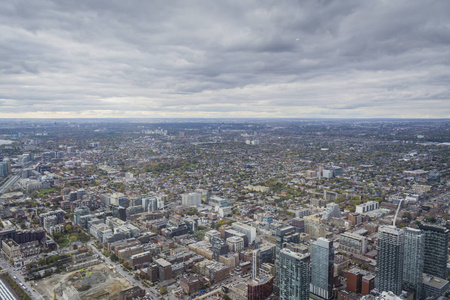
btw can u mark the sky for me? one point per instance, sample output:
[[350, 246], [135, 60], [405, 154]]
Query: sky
[[224, 59]]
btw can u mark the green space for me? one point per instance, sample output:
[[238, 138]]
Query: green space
[[63, 240], [45, 192]]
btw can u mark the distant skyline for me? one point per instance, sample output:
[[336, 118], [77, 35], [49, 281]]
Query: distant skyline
[[225, 59]]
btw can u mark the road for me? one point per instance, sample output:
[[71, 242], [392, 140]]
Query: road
[[8, 184], [19, 279], [11, 181], [151, 292]]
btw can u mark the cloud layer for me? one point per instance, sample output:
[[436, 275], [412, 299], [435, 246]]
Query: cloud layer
[[294, 58]]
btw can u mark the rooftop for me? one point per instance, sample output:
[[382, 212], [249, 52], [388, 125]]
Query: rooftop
[[163, 263]]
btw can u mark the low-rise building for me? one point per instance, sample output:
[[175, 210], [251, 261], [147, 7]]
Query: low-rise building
[[10, 249], [210, 235], [214, 271], [368, 206], [248, 230], [352, 243], [231, 260], [164, 269], [433, 286], [235, 243], [190, 283], [140, 258], [126, 253], [132, 293], [260, 288]]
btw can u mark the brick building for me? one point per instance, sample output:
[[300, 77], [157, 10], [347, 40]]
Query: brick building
[[132, 293], [190, 283]]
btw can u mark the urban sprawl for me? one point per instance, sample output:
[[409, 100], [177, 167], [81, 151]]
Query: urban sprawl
[[224, 209]]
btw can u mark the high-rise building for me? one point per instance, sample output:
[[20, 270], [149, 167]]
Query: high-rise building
[[266, 253], [4, 168], [287, 234], [255, 264], [160, 198], [413, 261], [390, 248], [322, 262], [149, 203], [79, 212], [436, 245], [294, 274]]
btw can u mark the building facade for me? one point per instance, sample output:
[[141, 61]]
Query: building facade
[[436, 247], [413, 261], [322, 262], [248, 230], [260, 289], [389, 268], [294, 274], [353, 243], [283, 235], [366, 207], [235, 243], [191, 199]]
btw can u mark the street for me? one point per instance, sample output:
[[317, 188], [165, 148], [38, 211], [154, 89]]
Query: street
[[151, 292], [19, 279], [9, 183]]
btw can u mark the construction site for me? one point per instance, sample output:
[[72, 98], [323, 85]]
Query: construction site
[[94, 283]]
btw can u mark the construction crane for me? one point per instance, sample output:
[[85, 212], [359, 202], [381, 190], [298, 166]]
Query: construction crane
[[398, 209]]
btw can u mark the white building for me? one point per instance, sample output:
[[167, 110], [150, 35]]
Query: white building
[[191, 199], [100, 231], [224, 211], [249, 231], [160, 201], [331, 211], [211, 235], [368, 206]]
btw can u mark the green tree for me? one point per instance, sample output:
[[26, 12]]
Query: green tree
[[114, 257], [163, 290]]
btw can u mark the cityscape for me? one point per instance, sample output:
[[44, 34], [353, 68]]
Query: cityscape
[[224, 150], [224, 209]]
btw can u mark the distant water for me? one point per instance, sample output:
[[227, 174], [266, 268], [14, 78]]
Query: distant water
[[5, 142]]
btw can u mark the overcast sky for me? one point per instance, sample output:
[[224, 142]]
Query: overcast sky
[[187, 58]]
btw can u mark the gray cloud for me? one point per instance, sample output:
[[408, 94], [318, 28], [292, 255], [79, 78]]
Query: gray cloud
[[225, 59]]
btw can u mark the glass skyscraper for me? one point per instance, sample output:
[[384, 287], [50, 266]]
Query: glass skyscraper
[[413, 261], [294, 274], [390, 248], [322, 262], [283, 235], [436, 247]]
